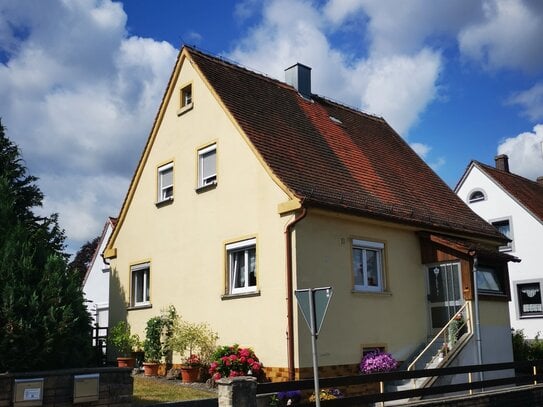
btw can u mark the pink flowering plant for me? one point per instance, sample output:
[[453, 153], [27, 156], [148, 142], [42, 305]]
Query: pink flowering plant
[[232, 361], [378, 362]]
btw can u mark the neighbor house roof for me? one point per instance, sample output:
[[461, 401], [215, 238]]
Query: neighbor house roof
[[526, 192], [336, 157]]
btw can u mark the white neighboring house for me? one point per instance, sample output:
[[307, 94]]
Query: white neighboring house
[[514, 205], [96, 281]]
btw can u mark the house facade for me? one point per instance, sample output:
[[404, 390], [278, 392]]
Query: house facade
[[96, 281], [249, 188], [514, 205]]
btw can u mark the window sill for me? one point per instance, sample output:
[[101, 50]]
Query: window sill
[[531, 316], [165, 202], [493, 296], [137, 307], [205, 188], [240, 295], [372, 293], [184, 109]]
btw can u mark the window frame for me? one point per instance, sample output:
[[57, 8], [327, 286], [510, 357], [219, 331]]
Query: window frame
[[185, 104], [519, 305], [236, 247], [495, 273], [478, 199], [201, 182], [162, 188], [365, 246], [510, 245], [145, 270]]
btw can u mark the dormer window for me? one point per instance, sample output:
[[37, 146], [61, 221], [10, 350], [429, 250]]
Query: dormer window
[[476, 196]]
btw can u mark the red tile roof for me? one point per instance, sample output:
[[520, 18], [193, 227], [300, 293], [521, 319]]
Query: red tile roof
[[528, 193], [358, 165]]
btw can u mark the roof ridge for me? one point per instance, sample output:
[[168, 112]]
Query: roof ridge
[[487, 166], [236, 65]]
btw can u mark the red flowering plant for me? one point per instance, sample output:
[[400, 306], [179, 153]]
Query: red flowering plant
[[193, 361], [232, 361]]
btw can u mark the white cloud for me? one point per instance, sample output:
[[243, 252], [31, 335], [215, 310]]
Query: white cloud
[[398, 87], [421, 149], [79, 98], [508, 36], [531, 101], [525, 153]]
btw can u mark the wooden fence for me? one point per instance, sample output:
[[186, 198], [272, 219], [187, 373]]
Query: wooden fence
[[525, 373]]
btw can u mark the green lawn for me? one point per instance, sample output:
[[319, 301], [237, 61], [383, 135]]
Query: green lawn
[[150, 391]]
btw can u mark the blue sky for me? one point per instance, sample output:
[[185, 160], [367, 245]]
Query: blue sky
[[82, 79]]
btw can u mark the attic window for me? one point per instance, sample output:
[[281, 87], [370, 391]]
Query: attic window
[[186, 99], [335, 120], [476, 196]]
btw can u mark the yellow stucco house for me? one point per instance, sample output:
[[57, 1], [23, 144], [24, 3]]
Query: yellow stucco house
[[249, 188]]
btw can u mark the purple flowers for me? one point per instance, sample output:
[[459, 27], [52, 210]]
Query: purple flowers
[[293, 395], [377, 361]]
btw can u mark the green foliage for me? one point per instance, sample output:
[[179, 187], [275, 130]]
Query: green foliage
[[122, 339], [158, 333], [525, 349], [193, 339], [44, 323]]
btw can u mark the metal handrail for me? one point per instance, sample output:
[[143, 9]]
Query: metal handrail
[[466, 306]]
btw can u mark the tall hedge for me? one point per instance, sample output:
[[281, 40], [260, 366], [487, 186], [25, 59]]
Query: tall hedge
[[44, 323]]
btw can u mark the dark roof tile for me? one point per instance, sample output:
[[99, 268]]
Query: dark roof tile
[[360, 165]]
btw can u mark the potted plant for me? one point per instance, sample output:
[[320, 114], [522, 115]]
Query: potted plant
[[197, 342], [125, 343], [152, 346]]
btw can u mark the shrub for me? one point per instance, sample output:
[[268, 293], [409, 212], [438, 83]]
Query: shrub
[[190, 339], [121, 338], [158, 333], [377, 361], [232, 361]]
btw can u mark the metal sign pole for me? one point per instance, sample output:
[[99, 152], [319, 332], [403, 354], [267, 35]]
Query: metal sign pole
[[313, 327]]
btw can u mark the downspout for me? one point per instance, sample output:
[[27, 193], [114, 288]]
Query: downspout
[[476, 316], [290, 304]]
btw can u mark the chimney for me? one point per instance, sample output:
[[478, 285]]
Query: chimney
[[539, 181], [299, 76], [502, 162]]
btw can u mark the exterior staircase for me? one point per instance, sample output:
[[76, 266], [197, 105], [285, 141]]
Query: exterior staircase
[[439, 352]]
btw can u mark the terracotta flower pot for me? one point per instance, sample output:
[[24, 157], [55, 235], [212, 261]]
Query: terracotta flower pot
[[190, 374], [150, 368], [126, 362]]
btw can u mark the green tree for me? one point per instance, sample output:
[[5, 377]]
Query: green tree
[[44, 323]]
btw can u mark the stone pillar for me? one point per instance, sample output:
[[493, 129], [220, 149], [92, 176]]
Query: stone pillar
[[237, 391]]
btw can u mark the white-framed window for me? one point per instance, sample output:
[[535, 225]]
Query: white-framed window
[[241, 266], [165, 182], [476, 196], [186, 96], [207, 166], [529, 299], [504, 226], [140, 284], [368, 265]]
